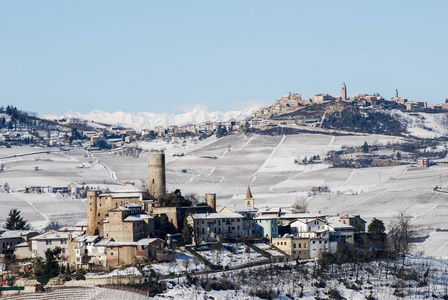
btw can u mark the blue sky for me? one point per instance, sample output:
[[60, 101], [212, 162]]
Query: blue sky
[[167, 56]]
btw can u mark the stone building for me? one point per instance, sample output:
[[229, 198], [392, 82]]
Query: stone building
[[99, 204], [128, 223]]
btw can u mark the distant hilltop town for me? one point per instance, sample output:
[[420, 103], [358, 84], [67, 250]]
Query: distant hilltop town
[[18, 127], [294, 102]]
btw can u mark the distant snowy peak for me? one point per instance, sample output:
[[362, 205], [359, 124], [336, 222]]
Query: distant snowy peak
[[147, 120]]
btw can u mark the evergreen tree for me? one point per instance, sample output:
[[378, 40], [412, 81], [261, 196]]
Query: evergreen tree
[[45, 270], [365, 147], [15, 221], [187, 232], [377, 233]]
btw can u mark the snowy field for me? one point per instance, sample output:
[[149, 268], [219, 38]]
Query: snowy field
[[184, 262], [231, 255], [226, 166]]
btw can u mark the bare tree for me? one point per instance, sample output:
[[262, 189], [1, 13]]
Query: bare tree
[[301, 205], [196, 262], [401, 234], [186, 264]]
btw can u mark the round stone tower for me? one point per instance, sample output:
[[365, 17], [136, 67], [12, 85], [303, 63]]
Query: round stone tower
[[210, 199], [91, 211], [156, 174]]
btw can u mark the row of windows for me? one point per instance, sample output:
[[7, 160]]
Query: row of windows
[[6, 244], [49, 242], [293, 245], [223, 221], [320, 242]]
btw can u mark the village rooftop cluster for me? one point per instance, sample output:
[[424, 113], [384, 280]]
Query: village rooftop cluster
[[285, 111], [132, 224]]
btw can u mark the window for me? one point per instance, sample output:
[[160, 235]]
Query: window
[[294, 246], [48, 242]]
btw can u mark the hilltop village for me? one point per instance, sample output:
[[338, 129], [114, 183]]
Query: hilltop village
[[130, 224], [20, 128]]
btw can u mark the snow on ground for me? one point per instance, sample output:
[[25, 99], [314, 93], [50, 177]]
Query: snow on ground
[[130, 271], [183, 262], [423, 125], [226, 166], [231, 255], [269, 249], [176, 291], [426, 278]]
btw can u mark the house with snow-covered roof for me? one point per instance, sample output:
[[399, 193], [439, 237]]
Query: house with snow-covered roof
[[49, 240], [10, 238], [340, 231], [214, 227], [308, 225], [248, 214]]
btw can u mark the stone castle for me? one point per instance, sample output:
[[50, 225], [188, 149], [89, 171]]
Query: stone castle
[[130, 215]]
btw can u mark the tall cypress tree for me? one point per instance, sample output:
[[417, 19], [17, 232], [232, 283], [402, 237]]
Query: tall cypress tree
[[15, 221]]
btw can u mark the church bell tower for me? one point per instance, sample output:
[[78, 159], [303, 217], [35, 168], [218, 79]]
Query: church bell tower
[[344, 92]]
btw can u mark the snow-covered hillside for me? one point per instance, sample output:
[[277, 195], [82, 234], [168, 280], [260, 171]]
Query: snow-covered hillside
[[147, 120], [423, 125]]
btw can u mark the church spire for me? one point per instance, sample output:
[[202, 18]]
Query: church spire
[[249, 193], [249, 201]]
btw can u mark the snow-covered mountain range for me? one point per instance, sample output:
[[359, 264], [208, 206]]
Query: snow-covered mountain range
[[147, 120]]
